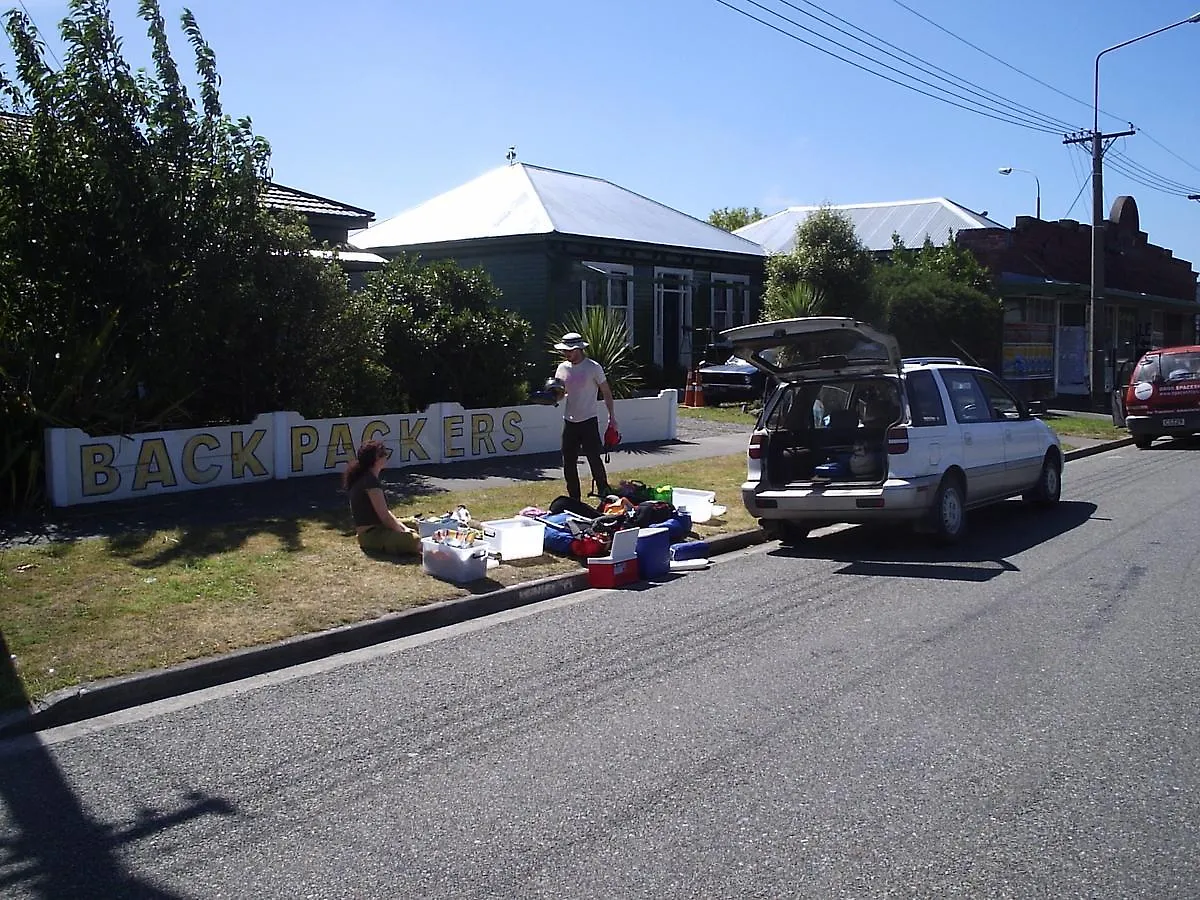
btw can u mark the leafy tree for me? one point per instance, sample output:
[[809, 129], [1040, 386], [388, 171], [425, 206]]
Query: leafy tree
[[144, 283], [444, 336], [731, 218], [940, 302], [608, 343], [830, 258]]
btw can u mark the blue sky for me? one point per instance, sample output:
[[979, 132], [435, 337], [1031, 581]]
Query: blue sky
[[386, 103]]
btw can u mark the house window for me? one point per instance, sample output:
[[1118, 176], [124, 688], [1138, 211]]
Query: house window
[[609, 286], [730, 301]]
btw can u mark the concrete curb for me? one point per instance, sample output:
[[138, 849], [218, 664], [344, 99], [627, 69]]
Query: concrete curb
[[111, 695], [1099, 448]]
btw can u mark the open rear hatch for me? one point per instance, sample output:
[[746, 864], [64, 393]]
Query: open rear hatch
[[828, 424], [816, 348]]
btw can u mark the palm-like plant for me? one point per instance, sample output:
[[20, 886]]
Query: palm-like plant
[[608, 344], [797, 301]]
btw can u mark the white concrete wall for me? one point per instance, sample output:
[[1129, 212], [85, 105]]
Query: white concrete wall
[[86, 469]]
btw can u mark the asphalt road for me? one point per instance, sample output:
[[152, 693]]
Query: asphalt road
[[864, 718]]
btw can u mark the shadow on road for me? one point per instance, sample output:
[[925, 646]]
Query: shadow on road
[[994, 534], [50, 847]]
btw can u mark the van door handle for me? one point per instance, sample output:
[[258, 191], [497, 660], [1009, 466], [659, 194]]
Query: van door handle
[[967, 439]]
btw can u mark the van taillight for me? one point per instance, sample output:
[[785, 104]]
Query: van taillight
[[897, 440], [755, 449]]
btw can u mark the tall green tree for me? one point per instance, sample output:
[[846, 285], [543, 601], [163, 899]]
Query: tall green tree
[[831, 260], [941, 302], [731, 218], [144, 283]]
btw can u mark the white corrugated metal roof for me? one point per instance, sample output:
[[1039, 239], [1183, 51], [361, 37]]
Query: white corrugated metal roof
[[875, 223], [523, 199]]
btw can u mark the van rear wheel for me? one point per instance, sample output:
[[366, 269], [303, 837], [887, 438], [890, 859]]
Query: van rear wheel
[[949, 513], [1143, 441]]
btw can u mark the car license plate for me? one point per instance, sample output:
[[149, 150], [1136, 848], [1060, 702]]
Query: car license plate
[[1172, 423]]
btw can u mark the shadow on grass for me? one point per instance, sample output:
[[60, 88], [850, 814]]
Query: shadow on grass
[[50, 846]]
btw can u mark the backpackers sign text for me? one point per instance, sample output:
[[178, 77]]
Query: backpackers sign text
[[86, 469]]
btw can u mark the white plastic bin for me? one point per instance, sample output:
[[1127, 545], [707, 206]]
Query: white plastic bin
[[699, 504], [518, 538], [445, 523], [457, 564]]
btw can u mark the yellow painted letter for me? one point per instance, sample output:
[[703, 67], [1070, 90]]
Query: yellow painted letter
[[340, 448], [452, 427], [190, 471], [482, 427], [410, 440], [511, 423], [304, 442], [377, 430], [98, 474], [153, 465], [242, 454]]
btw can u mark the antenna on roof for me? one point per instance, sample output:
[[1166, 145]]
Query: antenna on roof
[[511, 156]]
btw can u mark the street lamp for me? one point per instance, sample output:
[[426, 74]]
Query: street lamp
[[1098, 197], [1008, 170]]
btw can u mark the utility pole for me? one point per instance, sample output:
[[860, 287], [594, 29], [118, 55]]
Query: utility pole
[[1095, 307], [1097, 138]]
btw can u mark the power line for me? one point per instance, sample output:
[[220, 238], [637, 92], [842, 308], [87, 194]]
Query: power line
[[1002, 62], [992, 96], [1150, 173], [1140, 175], [1071, 208], [1051, 87], [990, 113], [39, 33], [1143, 133]]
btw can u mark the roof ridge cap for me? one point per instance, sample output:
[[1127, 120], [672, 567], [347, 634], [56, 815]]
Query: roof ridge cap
[[538, 194]]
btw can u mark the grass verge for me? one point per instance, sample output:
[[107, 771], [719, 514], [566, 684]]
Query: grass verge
[[76, 612]]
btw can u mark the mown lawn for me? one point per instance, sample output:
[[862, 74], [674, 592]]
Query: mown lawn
[[90, 609]]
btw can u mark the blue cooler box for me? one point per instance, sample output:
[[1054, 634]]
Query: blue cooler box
[[654, 551]]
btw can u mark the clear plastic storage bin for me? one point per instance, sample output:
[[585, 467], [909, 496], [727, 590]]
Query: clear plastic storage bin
[[699, 504], [519, 538], [457, 564], [443, 523]]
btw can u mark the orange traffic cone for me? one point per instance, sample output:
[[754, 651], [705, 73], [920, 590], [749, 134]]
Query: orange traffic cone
[[698, 394], [689, 392]]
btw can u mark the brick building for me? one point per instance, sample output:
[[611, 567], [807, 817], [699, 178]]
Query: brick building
[[1043, 270]]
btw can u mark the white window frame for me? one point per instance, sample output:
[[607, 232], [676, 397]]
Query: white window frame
[[608, 270], [724, 284], [687, 277]]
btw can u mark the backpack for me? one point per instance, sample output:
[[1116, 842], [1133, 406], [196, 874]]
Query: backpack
[[653, 512], [564, 503]]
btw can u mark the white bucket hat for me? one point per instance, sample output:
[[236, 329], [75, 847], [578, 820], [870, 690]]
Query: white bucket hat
[[572, 340]]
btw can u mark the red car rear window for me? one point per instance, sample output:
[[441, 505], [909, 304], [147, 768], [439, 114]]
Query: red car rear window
[[1182, 366]]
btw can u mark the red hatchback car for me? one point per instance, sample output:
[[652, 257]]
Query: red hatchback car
[[1162, 396]]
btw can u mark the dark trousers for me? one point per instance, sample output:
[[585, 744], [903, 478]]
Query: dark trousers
[[582, 436]]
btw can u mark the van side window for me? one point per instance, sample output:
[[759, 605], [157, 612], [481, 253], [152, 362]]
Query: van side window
[[1002, 403], [924, 399]]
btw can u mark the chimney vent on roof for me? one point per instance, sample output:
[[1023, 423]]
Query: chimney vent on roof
[[511, 156]]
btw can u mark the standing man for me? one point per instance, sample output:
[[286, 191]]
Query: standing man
[[582, 377]]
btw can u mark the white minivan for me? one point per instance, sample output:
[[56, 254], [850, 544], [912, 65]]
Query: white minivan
[[854, 433]]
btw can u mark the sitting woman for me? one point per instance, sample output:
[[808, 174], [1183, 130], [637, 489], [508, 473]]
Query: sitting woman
[[377, 528]]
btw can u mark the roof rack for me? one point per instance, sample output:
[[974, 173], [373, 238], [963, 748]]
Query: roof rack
[[931, 360]]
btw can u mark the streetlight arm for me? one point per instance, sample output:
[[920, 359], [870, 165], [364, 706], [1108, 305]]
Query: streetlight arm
[[1190, 20]]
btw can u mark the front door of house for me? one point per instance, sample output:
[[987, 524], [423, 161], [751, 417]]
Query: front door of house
[[672, 319]]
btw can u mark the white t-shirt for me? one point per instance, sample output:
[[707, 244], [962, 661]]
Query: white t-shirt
[[582, 381]]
